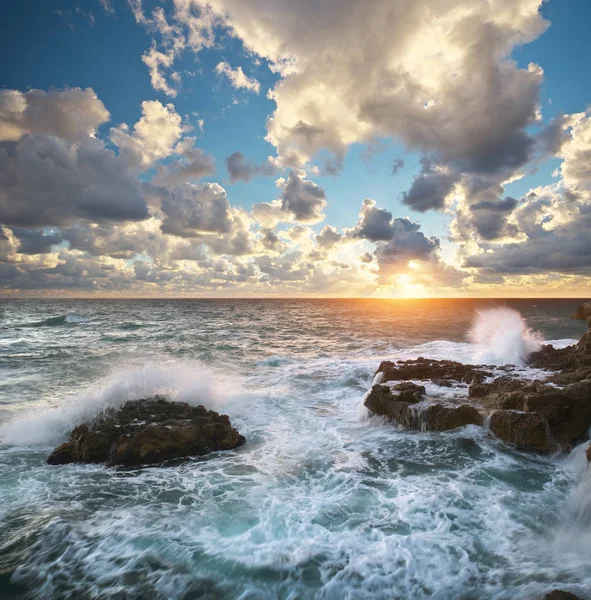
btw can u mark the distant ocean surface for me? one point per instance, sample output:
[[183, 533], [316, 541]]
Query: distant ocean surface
[[320, 502]]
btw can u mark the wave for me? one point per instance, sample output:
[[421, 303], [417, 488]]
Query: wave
[[502, 337], [67, 319], [49, 426]]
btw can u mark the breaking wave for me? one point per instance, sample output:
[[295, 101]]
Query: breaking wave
[[502, 337], [67, 319], [186, 382]]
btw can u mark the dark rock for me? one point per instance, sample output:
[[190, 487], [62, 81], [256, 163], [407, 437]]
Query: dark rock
[[393, 402], [567, 411], [567, 359], [435, 370], [148, 431], [583, 312], [560, 595], [443, 417], [399, 403], [527, 431]]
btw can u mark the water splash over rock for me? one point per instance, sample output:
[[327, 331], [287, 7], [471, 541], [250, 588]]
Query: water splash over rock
[[502, 337]]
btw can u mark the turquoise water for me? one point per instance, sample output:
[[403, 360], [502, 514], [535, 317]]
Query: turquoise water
[[321, 502]]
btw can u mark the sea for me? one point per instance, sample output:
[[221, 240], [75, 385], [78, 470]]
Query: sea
[[323, 501]]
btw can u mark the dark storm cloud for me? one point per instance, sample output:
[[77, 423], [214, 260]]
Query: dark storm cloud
[[45, 182], [36, 242], [430, 188]]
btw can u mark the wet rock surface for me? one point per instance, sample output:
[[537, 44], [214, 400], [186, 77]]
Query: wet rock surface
[[150, 431], [560, 595], [545, 415], [437, 371], [404, 404]]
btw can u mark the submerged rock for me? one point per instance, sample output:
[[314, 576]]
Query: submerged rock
[[149, 431]]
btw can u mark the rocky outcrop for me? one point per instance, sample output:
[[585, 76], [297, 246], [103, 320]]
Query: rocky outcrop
[[565, 411], [442, 372], [540, 416], [583, 313], [404, 404], [526, 431], [566, 359], [150, 431]]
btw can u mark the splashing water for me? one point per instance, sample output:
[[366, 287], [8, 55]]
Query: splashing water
[[502, 337], [184, 382]]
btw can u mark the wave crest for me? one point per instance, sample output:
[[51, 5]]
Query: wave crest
[[49, 426]]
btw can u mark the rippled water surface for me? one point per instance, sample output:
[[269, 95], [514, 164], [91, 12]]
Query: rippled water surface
[[319, 503]]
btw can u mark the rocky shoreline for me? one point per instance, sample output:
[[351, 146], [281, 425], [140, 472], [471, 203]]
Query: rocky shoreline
[[546, 415]]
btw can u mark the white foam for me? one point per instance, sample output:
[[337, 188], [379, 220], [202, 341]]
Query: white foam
[[185, 382], [502, 337]]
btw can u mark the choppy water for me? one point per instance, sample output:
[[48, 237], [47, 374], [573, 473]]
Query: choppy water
[[319, 503]]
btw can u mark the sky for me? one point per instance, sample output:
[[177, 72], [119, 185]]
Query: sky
[[254, 148]]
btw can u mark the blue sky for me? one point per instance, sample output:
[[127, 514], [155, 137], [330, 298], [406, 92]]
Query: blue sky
[[59, 44]]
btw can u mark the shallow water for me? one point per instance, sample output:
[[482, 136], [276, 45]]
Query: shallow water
[[319, 503]]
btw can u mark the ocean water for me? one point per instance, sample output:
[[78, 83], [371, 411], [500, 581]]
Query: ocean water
[[321, 502]]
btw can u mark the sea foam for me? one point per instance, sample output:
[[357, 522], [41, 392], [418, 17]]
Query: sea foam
[[184, 382], [502, 337]]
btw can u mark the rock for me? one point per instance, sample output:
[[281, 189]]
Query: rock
[[560, 595], [443, 417], [583, 312], [394, 401], [566, 359], [566, 411], [527, 431], [439, 371], [149, 431], [399, 403]]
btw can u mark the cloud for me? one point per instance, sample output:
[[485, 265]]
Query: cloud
[[241, 169], [107, 6], [549, 225], [237, 78], [301, 200], [193, 164], [430, 188], [152, 138], [397, 165], [71, 114], [328, 238], [196, 210], [47, 181], [458, 97], [157, 62], [35, 241]]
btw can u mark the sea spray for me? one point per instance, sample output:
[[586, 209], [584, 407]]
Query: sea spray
[[502, 337], [184, 382]]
